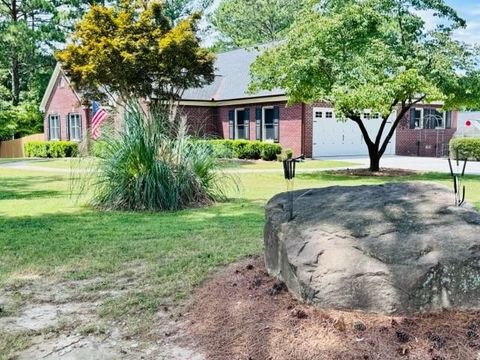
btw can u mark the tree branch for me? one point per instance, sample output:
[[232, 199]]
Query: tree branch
[[363, 129]]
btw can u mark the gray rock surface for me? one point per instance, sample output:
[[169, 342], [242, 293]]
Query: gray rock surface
[[394, 248]]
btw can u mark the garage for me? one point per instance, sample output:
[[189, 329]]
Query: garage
[[344, 138]]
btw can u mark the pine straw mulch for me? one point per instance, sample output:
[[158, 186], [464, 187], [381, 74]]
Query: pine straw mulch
[[242, 313], [384, 172]]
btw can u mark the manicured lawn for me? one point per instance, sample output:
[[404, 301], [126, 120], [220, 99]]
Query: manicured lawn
[[48, 231], [266, 165]]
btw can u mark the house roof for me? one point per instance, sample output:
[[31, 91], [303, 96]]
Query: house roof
[[51, 86], [232, 76]]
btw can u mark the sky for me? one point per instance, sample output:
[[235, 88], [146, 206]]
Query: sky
[[468, 10]]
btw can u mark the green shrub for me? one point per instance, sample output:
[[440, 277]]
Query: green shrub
[[468, 148], [270, 151], [242, 149], [36, 149], [252, 150], [222, 149], [62, 149], [51, 149], [146, 167]]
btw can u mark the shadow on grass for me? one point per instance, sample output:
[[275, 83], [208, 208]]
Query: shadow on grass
[[24, 187], [177, 249]]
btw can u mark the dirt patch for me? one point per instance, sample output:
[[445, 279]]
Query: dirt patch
[[384, 172], [242, 313], [57, 319]]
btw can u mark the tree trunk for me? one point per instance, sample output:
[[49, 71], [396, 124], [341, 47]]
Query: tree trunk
[[374, 160], [15, 80], [15, 70]]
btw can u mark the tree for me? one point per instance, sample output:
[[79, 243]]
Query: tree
[[372, 54], [251, 22], [178, 9], [29, 30], [136, 53]]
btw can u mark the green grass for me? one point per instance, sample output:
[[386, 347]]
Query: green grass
[[267, 165], [47, 230]]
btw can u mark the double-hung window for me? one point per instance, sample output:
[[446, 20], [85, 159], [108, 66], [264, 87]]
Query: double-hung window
[[54, 127], [75, 127]]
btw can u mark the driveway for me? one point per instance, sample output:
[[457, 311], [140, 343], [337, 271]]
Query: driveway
[[412, 163]]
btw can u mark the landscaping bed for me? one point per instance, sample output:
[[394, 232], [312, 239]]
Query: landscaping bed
[[242, 313]]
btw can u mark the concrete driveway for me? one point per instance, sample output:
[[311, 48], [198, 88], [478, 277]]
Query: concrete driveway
[[412, 163]]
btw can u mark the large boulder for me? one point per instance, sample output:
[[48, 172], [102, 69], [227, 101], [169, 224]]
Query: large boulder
[[394, 248]]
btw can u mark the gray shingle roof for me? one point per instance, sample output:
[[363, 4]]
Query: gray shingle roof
[[232, 76]]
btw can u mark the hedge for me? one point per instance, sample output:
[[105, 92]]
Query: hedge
[[468, 148], [244, 149], [51, 149]]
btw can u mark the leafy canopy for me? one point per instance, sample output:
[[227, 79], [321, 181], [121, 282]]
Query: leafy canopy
[[136, 52], [252, 22], [372, 54]]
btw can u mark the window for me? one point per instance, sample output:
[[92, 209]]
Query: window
[[318, 114], [54, 127], [366, 115], [75, 127], [376, 116], [269, 124], [433, 118], [429, 118], [329, 115], [242, 122]]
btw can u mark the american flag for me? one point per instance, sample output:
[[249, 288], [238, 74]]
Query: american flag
[[99, 115]]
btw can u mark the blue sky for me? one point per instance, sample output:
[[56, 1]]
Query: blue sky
[[470, 11]]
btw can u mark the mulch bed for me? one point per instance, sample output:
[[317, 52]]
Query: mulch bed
[[384, 172], [242, 313]]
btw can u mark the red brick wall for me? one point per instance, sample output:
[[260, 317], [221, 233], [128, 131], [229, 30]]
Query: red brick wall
[[201, 120], [62, 102], [424, 142], [290, 131]]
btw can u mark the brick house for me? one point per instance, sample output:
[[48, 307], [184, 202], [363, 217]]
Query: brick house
[[225, 109]]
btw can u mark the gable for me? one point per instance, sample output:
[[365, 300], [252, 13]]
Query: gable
[[59, 93]]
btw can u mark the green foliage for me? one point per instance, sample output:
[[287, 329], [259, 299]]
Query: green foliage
[[243, 149], [270, 151], [28, 32], [372, 54], [288, 153], [136, 52], [152, 166], [51, 149], [247, 22], [19, 121], [467, 148], [178, 9]]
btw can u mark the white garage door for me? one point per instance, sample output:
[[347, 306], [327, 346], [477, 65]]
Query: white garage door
[[344, 138]]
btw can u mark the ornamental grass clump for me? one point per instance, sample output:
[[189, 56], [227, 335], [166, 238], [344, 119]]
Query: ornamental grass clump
[[152, 165]]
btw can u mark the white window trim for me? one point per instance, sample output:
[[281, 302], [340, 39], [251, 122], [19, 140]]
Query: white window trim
[[422, 118], [50, 116], [264, 130], [235, 124], [70, 127]]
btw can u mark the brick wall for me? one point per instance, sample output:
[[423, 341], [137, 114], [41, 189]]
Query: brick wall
[[424, 142], [62, 102], [201, 120]]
